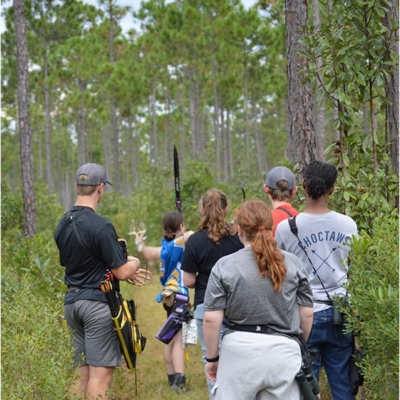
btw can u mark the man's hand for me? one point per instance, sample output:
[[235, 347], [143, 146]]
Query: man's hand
[[140, 277]]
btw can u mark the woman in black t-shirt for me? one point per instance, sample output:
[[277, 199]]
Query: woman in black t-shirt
[[203, 249]]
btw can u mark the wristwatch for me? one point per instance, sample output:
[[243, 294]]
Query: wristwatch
[[213, 360]]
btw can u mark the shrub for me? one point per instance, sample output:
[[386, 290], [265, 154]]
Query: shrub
[[36, 354], [373, 285]]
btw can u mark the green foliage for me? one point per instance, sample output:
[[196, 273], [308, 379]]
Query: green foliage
[[350, 57], [36, 355], [364, 191], [373, 285], [11, 209]]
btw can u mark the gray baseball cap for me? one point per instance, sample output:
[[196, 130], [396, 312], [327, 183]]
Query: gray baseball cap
[[280, 173], [91, 175]]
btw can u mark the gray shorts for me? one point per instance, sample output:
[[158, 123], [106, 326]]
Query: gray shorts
[[93, 335]]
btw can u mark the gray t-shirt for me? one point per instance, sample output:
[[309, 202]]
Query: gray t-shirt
[[237, 286], [326, 238]]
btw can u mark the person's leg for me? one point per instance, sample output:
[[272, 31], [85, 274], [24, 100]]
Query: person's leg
[[315, 340], [178, 359], [99, 382], [199, 316], [102, 347], [336, 355], [169, 366], [178, 354], [79, 386]]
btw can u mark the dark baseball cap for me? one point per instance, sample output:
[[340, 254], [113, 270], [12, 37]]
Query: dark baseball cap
[[280, 173], [91, 175]]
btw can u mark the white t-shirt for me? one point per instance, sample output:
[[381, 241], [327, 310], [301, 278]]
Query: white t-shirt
[[325, 238]]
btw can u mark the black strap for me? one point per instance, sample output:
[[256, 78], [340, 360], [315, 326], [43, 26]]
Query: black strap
[[294, 230], [72, 218], [265, 329], [253, 328], [286, 211]]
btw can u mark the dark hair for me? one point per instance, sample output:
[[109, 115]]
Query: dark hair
[[170, 222], [214, 207], [255, 218], [320, 177]]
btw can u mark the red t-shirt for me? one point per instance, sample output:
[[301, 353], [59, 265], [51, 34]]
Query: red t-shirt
[[282, 212]]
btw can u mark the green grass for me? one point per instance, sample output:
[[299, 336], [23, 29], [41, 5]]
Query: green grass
[[152, 381]]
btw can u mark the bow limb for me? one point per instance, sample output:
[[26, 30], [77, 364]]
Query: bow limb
[[177, 182]]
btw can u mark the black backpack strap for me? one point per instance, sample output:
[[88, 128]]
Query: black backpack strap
[[295, 231], [73, 218], [286, 211], [70, 218], [293, 226]]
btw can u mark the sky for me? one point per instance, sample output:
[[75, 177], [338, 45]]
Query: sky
[[126, 23]]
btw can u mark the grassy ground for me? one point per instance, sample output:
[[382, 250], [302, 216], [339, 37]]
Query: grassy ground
[[151, 376]]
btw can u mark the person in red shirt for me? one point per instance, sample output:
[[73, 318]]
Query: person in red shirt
[[280, 188]]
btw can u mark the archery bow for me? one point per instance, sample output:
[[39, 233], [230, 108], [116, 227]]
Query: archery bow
[[244, 195], [177, 183]]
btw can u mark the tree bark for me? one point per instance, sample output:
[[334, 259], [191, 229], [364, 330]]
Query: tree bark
[[301, 136], [319, 108], [153, 128], [24, 120], [81, 125], [49, 169], [246, 131], [392, 86]]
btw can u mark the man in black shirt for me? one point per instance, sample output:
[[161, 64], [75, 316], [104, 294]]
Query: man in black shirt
[[88, 246]]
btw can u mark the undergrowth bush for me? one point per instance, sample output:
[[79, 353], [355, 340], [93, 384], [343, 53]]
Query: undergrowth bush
[[36, 354], [373, 285]]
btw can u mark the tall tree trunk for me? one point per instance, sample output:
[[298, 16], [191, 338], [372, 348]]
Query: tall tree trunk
[[39, 162], [192, 99], [182, 140], [246, 130], [199, 131], [106, 147], [168, 136], [223, 143], [301, 135], [257, 140], [113, 116], [116, 183], [216, 117], [49, 169], [24, 122], [153, 128], [133, 149], [81, 125], [319, 107], [392, 85], [229, 145]]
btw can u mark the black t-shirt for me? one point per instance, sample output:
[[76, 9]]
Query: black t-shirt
[[86, 260], [200, 256]]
